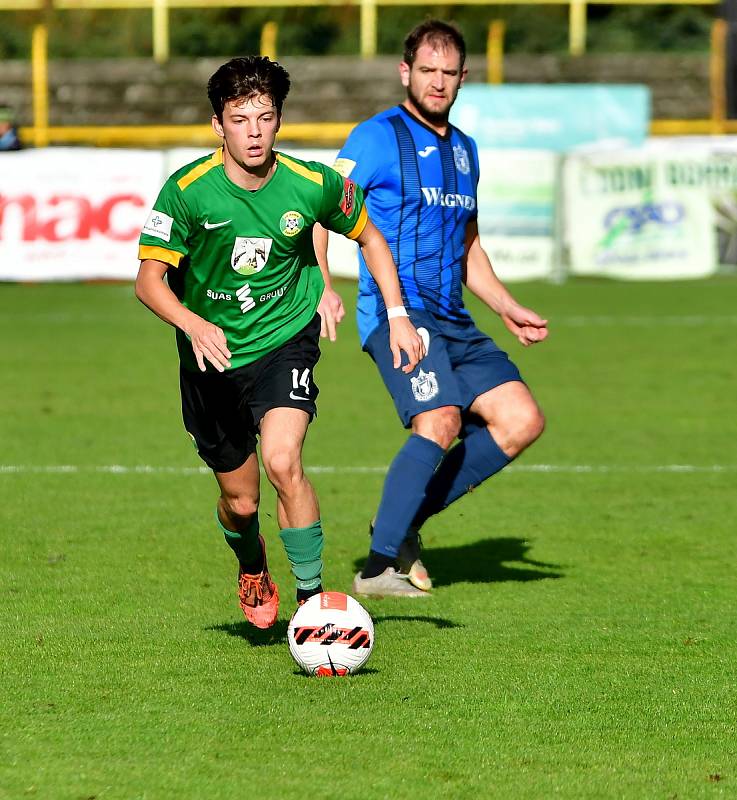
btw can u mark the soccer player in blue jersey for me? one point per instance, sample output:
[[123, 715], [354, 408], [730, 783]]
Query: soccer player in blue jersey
[[420, 174]]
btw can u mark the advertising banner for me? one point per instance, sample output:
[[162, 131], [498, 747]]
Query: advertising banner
[[658, 211], [517, 201], [644, 214], [75, 214], [716, 176], [553, 116], [68, 214]]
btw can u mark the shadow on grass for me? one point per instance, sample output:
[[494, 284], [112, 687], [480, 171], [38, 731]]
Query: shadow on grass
[[484, 561], [277, 633], [256, 637], [364, 672], [438, 622]]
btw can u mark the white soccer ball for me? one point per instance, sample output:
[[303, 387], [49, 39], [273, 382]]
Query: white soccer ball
[[331, 634]]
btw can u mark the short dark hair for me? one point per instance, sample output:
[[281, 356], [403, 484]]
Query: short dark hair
[[243, 78], [433, 31]]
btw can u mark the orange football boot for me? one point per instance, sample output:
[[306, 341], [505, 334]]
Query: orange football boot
[[259, 595]]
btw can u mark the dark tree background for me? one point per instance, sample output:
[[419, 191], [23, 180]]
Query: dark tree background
[[335, 30]]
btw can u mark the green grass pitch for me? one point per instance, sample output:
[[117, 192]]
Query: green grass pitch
[[580, 642]]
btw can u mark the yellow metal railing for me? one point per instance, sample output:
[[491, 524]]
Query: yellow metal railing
[[318, 133], [40, 77], [326, 133], [577, 13], [495, 52], [717, 75], [268, 40]]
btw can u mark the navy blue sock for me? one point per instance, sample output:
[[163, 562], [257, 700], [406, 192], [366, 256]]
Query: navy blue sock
[[469, 463], [404, 488], [375, 564]]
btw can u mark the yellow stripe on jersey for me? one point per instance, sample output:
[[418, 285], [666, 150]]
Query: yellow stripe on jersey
[[360, 225], [159, 254], [214, 161], [299, 169]]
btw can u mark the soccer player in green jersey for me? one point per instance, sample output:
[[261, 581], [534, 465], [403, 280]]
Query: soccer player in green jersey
[[227, 259]]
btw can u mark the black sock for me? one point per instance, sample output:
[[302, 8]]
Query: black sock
[[253, 567], [304, 594], [375, 564], [246, 545]]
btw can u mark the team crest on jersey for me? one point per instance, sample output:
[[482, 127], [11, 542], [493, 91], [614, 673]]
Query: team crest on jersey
[[291, 223], [460, 156], [250, 254], [349, 197], [424, 386]]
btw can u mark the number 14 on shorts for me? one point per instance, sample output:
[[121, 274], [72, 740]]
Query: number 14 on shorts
[[300, 385]]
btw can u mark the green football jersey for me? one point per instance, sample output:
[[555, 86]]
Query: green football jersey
[[242, 259]]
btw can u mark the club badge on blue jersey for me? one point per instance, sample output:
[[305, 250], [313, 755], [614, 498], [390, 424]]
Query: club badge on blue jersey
[[460, 156], [424, 386]]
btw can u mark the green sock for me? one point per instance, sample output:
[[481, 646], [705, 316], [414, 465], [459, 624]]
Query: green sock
[[304, 548], [245, 544]]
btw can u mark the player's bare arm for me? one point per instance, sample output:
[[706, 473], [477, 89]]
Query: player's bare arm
[[330, 309], [523, 323], [208, 340], [402, 333]]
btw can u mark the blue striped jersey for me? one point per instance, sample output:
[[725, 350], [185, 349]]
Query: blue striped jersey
[[420, 192]]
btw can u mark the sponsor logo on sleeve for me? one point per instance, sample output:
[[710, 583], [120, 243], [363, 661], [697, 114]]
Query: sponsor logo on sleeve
[[344, 166], [158, 225], [348, 200]]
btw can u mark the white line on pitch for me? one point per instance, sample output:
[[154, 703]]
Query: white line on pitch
[[147, 469], [637, 321]]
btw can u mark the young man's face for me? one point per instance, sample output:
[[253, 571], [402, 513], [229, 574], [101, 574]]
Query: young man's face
[[248, 130], [433, 81]]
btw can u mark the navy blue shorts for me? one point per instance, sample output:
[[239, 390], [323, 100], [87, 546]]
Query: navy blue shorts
[[461, 364]]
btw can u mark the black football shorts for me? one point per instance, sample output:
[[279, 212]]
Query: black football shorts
[[222, 411]]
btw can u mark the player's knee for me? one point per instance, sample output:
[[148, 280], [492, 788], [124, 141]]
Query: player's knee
[[240, 508], [442, 425], [283, 468], [534, 426], [519, 430]]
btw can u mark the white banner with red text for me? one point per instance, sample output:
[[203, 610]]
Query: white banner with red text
[[76, 213], [665, 210], [71, 214]]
